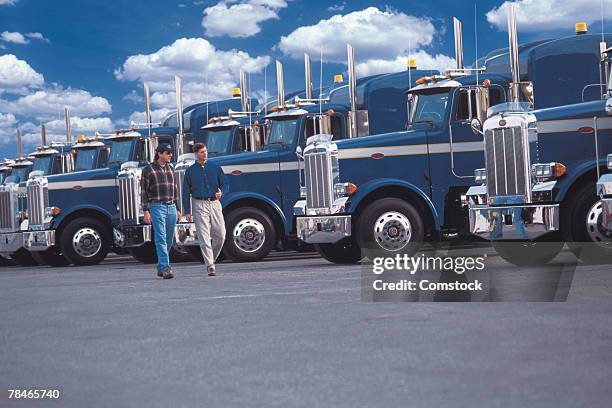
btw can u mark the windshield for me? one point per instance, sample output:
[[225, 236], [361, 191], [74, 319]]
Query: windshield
[[120, 151], [42, 163], [282, 131], [85, 159], [430, 107], [217, 141], [21, 172]]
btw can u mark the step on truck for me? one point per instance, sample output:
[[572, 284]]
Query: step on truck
[[538, 186], [391, 192]]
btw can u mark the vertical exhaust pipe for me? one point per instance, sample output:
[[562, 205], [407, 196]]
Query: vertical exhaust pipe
[[244, 98], [68, 125], [308, 75], [352, 82], [513, 54], [43, 135], [19, 146], [458, 42], [148, 116], [178, 84], [280, 84]]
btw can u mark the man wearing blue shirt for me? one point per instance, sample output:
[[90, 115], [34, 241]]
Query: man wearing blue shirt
[[206, 183]]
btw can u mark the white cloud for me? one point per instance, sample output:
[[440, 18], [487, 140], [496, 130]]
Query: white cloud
[[375, 34], [8, 2], [49, 103], [240, 20], [192, 59], [337, 7], [7, 120], [540, 15], [424, 61], [13, 37], [134, 97], [36, 36], [17, 76]]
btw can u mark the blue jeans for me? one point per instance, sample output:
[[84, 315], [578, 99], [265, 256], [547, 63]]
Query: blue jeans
[[163, 218]]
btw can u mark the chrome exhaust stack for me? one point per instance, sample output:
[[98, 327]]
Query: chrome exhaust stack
[[244, 98], [358, 120], [68, 125], [43, 135], [458, 43], [19, 145], [308, 75], [514, 55], [280, 84], [148, 116], [180, 137]]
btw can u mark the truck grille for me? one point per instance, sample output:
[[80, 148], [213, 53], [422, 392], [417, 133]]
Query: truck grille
[[319, 179], [8, 210], [179, 176], [129, 198], [38, 200], [506, 162]]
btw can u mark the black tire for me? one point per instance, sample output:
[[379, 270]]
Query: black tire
[[94, 241], [533, 253], [6, 261], [120, 250], [196, 254], [179, 255], [23, 257], [50, 257], [402, 216], [241, 248], [583, 230], [345, 251], [144, 253]]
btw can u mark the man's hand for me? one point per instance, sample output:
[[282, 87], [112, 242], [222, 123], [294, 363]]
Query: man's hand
[[147, 217], [178, 215], [188, 217], [218, 194]]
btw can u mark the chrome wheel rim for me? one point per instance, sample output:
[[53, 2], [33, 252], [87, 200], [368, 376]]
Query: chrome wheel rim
[[249, 235], [87, 242], [392, 231], [595, 228]]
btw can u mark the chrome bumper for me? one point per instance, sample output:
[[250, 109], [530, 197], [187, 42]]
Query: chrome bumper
[[514, 222], [132, 235], [11, 242], [604, 190], [38, 240], [185, 234], [323, 229]]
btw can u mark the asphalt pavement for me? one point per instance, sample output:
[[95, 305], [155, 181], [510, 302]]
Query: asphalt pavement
[[293, 331]]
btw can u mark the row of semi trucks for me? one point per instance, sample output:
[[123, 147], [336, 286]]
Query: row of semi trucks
[[511, 150]]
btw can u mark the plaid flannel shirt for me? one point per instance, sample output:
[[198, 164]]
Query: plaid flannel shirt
[[158, 184]]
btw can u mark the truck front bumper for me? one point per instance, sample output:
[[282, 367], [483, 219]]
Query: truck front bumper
[[526, 222], [324, 229], [126, 236], [185, 234], [604, 190], [38, 240], [11, 242]]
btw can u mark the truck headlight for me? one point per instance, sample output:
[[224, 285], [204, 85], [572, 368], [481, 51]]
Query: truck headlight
[[480, 175], [344, 189], [52, 211], [610, 161], [548, 170], [302, 192]]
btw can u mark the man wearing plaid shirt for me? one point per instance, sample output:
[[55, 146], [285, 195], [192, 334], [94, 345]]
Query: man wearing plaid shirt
[[159, 198]]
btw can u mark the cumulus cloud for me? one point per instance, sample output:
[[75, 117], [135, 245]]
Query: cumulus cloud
[[192, 59], [7, 120], [540, 15], [337, 7], [8, 2], [13, 37], [49, 103], [17, 76], [424, 61], [375, 34], [241, 19]]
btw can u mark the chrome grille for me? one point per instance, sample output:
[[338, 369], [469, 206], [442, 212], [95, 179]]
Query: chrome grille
[[319, 179], [506, 162], [179, 176], [8, 209], [38, 199], [129, 197]]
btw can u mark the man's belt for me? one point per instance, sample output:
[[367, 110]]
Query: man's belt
[[162, 202], [213, 198]]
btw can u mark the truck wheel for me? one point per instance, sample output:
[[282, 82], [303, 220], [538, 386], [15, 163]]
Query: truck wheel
[[85, 241], [390, 225], [583, 229], [50, 257], [6, 261], [23, 257], [345, 251], [250, 235], [144, 253], [533, 253], [178, 255]]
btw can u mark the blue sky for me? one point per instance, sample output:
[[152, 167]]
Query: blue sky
[[93, 56]]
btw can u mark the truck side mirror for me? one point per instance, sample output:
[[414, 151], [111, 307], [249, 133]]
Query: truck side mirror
[[298, 152], [609, 106], [476, 126]]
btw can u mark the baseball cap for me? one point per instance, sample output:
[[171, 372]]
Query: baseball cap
[[164, 147]]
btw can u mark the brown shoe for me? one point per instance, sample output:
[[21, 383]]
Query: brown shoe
[[211, 271], [167, 274]]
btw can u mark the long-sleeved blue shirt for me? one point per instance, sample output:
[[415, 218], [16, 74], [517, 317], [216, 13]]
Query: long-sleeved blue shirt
[[203, 182]]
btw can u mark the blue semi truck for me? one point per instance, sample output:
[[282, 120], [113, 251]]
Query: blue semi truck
[[538, 190], [392, 192]]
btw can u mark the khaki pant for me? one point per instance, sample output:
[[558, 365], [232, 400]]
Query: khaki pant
[[210, 226]]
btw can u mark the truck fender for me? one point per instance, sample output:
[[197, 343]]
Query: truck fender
[[249, 195], [66, 212]]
